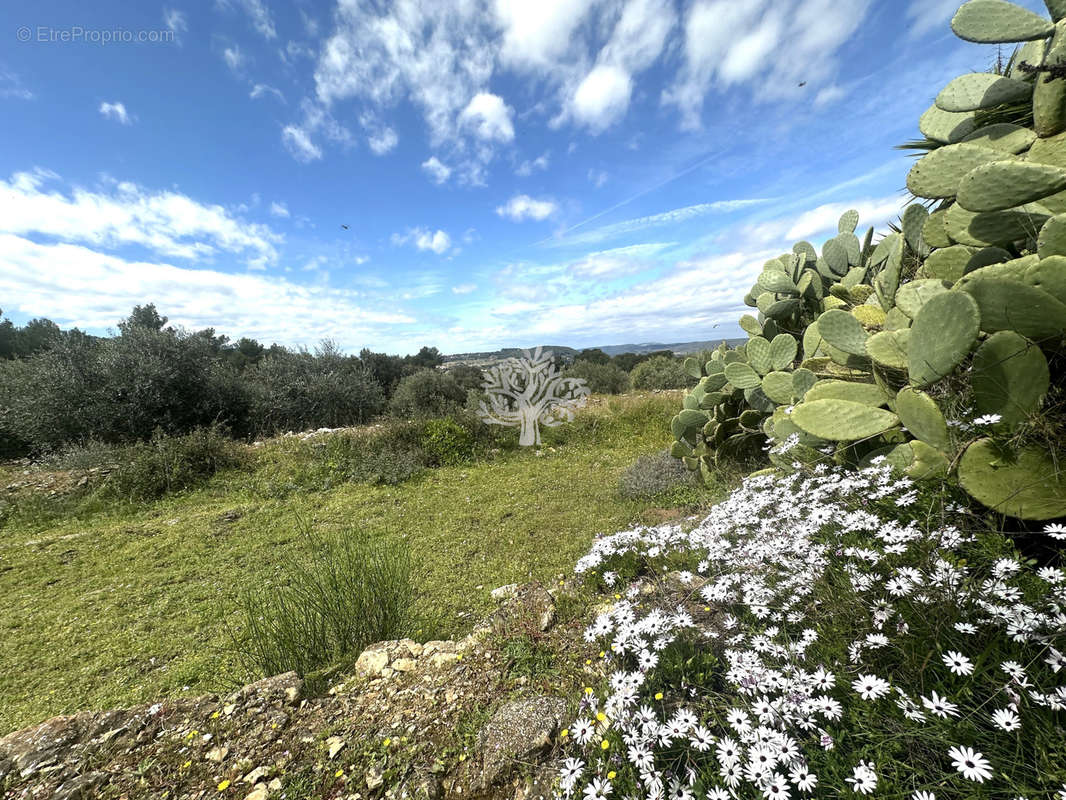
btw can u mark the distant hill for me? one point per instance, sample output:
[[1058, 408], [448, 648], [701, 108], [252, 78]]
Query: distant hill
[[678, 348]]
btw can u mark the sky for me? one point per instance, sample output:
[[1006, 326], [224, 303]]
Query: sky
[[464, 174]]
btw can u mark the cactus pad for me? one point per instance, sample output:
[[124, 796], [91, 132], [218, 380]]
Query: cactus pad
[[1049, 275], [1010, 377], [742, 376], [848, 220], [918, 460], [1005, 184], [889, 348], [982, 229], [979, 90], [933, 231], [947, 127], [938, 173], [1003, 136], [912, 296], [778, 387], [1051, 240], [866, 394], [948, 263], [758, 352], [921, 416], [992, 21], [842, 420], [802, 380], [783, 350], [1012, 305], [1027, 484], [943, 334], [1049, 96], [841, 330]]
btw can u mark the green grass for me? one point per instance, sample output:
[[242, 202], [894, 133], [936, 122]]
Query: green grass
[[110, 605]]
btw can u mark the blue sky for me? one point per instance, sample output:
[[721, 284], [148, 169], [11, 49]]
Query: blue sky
[[511, 173]]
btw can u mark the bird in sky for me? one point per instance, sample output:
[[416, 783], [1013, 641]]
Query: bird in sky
[[803, 83], [344, 226]]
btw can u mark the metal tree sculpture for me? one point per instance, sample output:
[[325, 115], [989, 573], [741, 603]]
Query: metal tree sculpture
[[529, 393]]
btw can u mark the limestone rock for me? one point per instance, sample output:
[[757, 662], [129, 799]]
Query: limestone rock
[[518, 733]]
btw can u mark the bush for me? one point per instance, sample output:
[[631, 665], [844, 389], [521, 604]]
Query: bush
[[166, 464], [601, 378], [661, 372], [351, 591], [653, 475], [427, 393], [445, 442]]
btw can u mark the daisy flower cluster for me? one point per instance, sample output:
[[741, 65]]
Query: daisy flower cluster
[[818, 634]]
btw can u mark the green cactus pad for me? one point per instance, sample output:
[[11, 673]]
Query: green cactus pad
[[987, 256], [835, 255], [918, 460], [841, 330], [920, 415], [981, 229], [1051, 240], [692, 419], [869, 316], [842, 420], [1004, 136], [852, 246], [1012, 305], [758, 352], [914, 217], [844, 359], [1014, 269], [757, 399], [783, 351], [779, 282], [912, 296], [778, 387], [889, 348], [979, 90], [1049, 275], [1010, 377], [1057, 9], [933, 231], [802, 380], [896, 320], [680, 449], [1005, 184], [993, 21], [693, 368], [938, 173], [943, 334], [742, 376], [1032, 53], [948, 263], [866, 394], [750, 325], [812, 339], [848, 220], [782, 309], [1027, 484], [947, 127], [883, 249], [1049, 96]]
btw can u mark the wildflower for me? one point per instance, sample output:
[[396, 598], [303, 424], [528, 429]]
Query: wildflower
[[598, 789], [1055, 660], [870, 687], [923, 795], [224, 785], [718, 793], [1006, 719], [582, 731], [987, 419], [957, 663], [940, 706], [701, 739], [970, 763], [965, 627], [776, 789], [805, 781], [1055, 530], [571, 773], [863, 778]]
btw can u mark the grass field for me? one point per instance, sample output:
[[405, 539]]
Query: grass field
[[109, 605]]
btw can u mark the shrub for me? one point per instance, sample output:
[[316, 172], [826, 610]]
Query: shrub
[[166, 464], [661, 372], [467, 377], [602, 378], [350, 591], [427, 393], [653, 475], [445, 442]]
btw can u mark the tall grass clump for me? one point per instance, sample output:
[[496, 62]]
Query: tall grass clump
[[351, 590], [659, 476], [830, 633]]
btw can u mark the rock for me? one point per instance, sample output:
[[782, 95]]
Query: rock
[[81, 787], [518, 733], [504, 592], [275, 688], [256, 775], [403, 664], [335, 745], [259, 792], [217, 754], [275, 785], [531, 605], [374, 778], [372, 660]]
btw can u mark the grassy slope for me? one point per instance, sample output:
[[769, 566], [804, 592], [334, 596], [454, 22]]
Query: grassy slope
[[124, 605]]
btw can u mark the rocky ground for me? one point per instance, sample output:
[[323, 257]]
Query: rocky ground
[[477, 718]]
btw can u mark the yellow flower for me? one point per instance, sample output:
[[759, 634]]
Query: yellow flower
[[658, 695], [588, 690], [605, 745], [339, 773], [387, 742], [462, 756], [224, 785], [186, 765], [706, 608], [588, 660], [618, 597], [601, 716], [603, 654], [565, 732], [611, 775], [215, 715]]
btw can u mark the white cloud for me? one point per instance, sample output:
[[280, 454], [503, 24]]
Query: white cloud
[[261, 89], [465, 288], [924, 16], [597, 177], [300, 145], [619, 261], [489, 117], [538, 34], [279, 210], [523, 206], [79, 286], [259, 15], [436, 169], [383, 141], [116, 111], [671, 217], [11, 86], [728, 44], [828, 96], [526, 168], [233, 57], [176, 22], [167, 223], [602, 98], [424, 239]]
